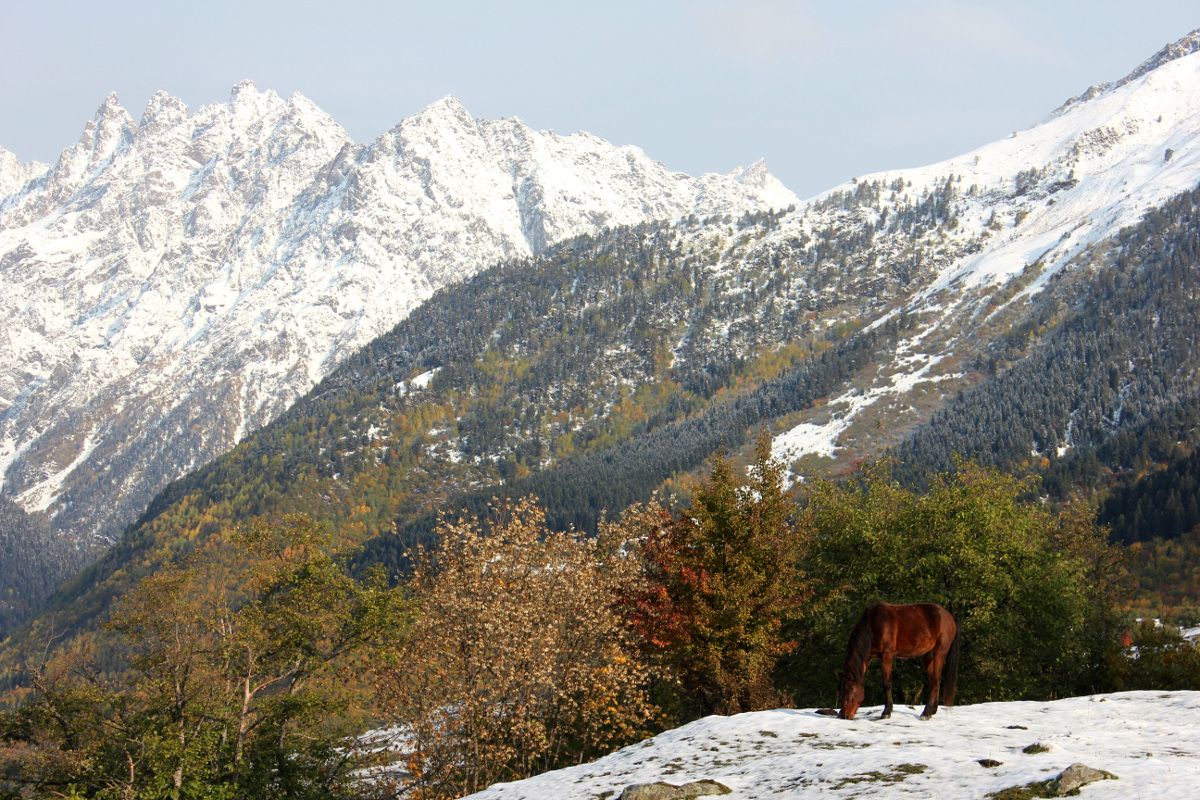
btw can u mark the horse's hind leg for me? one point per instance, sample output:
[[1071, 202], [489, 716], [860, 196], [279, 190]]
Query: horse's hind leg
[[933, 679], [885, 661]]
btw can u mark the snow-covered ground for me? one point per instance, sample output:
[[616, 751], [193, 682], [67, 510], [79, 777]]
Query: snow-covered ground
[[1149, 740], [809, 438]]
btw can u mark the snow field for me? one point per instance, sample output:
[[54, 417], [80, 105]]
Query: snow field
[[1149, 740]]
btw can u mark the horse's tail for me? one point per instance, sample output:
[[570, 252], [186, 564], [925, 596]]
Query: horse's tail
[[950, 670]]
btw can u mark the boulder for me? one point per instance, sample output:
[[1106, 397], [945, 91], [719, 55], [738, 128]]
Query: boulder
[[669, 791], [1076, 775]]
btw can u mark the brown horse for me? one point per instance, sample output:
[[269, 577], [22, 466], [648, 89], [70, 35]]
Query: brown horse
[[884, 631]]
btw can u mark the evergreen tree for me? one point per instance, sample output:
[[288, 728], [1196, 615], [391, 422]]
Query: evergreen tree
[[723, 579]]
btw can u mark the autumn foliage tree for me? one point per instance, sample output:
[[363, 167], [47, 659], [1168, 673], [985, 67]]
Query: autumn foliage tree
[[234, 691], [518, 660], [721, 580]]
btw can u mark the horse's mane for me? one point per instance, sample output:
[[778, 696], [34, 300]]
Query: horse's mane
[[858, 650]]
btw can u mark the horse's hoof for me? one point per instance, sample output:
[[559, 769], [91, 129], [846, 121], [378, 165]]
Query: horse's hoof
[[926, 716], [885, 716]]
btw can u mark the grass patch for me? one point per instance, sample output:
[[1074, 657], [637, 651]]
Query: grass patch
[[1035, 748], [896, 775], [828, 746], [1029, 791]]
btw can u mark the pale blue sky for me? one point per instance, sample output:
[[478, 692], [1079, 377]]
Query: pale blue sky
[[824, 90]]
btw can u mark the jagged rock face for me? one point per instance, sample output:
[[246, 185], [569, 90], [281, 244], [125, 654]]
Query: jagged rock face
[[173, 284], [14, 174]]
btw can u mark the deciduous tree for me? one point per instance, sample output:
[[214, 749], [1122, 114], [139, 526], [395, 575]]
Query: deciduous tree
[[518, 661], [225, 692]]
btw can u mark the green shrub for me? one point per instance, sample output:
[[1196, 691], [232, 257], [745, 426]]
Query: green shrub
[[1034, 592]]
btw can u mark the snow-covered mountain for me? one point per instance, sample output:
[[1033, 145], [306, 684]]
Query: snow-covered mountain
[[1025, 208], [1149, 742], [172, 284]]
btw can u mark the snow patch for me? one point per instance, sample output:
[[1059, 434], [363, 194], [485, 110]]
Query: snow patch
[[821, 440]]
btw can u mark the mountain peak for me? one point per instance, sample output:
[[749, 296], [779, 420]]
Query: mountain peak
[[14, 174], [110, 115], [448, 106], [111, 105], [240, 88], [164, 107], [246, 100], [1171, 52], [758, 179], [755, 175], [1184, 47], [110, 129], [445, 114]]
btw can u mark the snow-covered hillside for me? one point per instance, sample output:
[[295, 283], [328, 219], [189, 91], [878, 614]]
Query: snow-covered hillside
[[1025, 207], [1149, 740], [172, 284]]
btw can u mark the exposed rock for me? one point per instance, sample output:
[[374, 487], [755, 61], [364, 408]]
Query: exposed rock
[[669, 791], [1076, 775], [990, 763]]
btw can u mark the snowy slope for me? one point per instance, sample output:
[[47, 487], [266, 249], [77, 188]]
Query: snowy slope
[[1029, 203], [172, 284], [1129, 148], [1103, 162], [1149, 740]]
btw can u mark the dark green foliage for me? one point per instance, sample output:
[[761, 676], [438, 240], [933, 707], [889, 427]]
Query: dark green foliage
[[722, 579], [578, 492], [35, 561], [1034, 593], [1164, 503]]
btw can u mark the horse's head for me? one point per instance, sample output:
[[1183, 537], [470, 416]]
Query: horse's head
[[850, 694]]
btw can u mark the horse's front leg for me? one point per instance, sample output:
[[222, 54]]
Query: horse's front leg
[[933, 679], [885, 661]]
